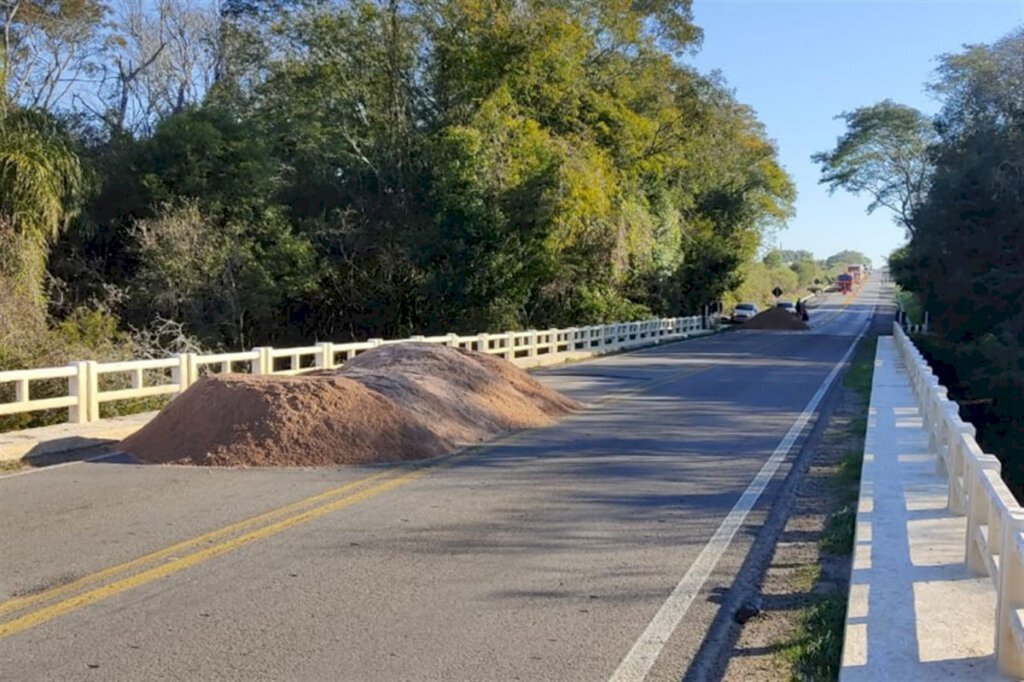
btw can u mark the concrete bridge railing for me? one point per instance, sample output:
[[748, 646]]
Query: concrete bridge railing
[[994, 542], [88, 384]]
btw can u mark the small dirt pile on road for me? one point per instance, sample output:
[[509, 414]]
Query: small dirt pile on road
[[399, 402], [776, 318]]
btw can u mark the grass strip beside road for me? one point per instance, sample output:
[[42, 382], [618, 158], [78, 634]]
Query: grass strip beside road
[[816, 648]]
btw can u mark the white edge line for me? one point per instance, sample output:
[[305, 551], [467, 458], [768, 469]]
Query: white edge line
[[645, 651]]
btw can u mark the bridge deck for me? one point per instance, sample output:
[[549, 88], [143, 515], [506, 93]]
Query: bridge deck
[[916, 612]]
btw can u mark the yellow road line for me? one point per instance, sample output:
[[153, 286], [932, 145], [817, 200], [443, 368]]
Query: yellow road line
[[18, 603], [846, 304], [66, 606]]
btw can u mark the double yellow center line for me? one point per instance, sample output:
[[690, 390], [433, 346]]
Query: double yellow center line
[[46, 605]]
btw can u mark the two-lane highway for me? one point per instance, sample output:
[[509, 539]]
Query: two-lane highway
[[589, 550]]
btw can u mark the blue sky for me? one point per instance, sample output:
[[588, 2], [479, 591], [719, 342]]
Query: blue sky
[[801, 62]]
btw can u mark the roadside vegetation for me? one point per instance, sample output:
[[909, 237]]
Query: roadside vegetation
[[955, 182], [910, 303], [225, 175], [797, 273], [799, 636], [816, 650]]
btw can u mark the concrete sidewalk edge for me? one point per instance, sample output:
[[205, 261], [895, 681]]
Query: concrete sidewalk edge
[[915, 610]]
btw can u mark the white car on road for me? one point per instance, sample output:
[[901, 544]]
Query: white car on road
[[744, 311]]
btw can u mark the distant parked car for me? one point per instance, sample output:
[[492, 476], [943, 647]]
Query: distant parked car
[[788, 306], [744, 311]]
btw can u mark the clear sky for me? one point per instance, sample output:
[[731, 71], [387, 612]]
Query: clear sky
[[801, 62]]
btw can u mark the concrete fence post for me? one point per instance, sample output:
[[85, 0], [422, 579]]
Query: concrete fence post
[[1010, 597], [977, 516], [92, 390], [933, 424], [452, 340], [78, 387], [572, 335], [182, 373], [193, 368], [944, 424], [979, 511], [932, 395], [510, 346], [325, 358], [265, 365], [376, 343], [951, 439], [552, 344], [531, 349], [482, 343], [22, 392]]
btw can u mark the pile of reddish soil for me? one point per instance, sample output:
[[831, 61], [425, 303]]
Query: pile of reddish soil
[[461, 396], [776, 318], [399, 402]]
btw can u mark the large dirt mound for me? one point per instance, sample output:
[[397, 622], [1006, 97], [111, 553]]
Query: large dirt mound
[[399, 402], [776, 318], [273, 421], [462, 396]]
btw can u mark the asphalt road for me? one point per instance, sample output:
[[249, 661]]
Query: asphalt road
[[544, 556]]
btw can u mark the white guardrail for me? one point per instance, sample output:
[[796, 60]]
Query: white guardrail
[[91, 383], [994, 540]]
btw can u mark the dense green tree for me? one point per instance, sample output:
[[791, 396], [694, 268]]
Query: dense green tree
[[966, 255], [388, 167], [968, 252], [883, 153], [790, 257], [41, 183], [808, 272], [773, 259]]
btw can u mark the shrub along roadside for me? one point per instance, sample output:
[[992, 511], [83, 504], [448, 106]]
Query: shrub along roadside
[[986, 379], [910, 303]]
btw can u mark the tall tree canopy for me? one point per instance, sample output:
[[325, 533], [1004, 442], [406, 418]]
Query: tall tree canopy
[[883, 153], [966, 255], [281, 170]]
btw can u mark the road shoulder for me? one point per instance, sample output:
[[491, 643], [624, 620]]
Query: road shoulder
[[793, 628]]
